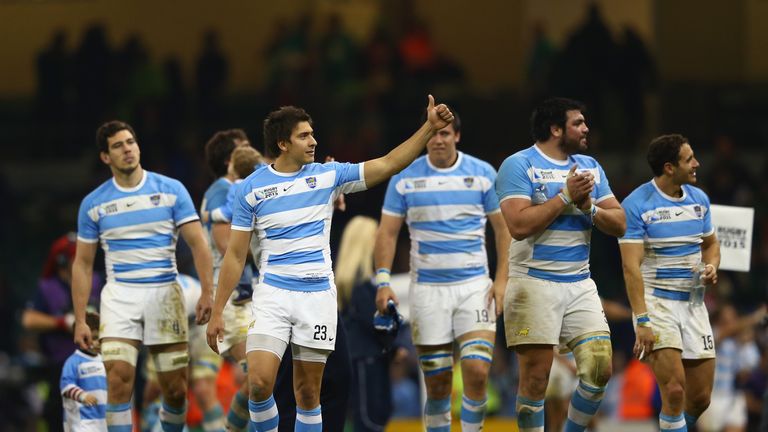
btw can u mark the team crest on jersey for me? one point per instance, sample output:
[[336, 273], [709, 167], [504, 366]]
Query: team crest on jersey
[[311, 182], [155, 199], [697, 209], [469, 181]]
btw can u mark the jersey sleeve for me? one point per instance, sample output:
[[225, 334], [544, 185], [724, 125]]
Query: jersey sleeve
[[183, 209], [242, 209], [708, 229], [349, 177], [216, 198], [68, 375], [490, 199], [636, 227], [394, 200], [603, 189], [223, 213], [513, 180], [87, 228]]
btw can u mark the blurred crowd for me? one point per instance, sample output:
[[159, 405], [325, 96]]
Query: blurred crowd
[[363, 94]]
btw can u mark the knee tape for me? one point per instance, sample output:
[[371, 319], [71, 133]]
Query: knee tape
[[170, 361], [435, 362], [593, 357], [261, 342], [307, 354], [477, 349], [113, 350]]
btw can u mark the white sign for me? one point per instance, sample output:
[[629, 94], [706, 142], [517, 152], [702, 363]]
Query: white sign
[[734, 228]]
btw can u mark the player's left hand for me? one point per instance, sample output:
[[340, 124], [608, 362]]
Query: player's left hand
[[496, 296], [203, 309], [215, 332], [709, 275], [438, 116]]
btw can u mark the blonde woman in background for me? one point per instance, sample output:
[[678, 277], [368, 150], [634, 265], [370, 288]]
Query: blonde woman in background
[[369, 352]]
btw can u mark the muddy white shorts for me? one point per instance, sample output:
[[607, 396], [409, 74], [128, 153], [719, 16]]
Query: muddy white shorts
[[154, 315], [538, 311], [442, 313], [303, 318]]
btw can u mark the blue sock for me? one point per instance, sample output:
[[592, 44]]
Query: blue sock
[[119, 418], [150, 415], [472, 414], [437, 415], [213, 419], [530, 414], [672, 423], [690, 420], [264, 416], [584, 404], [237, 418], [173, 419], [309, 420]]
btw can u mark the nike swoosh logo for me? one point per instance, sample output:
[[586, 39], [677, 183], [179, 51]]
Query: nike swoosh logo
[[130, 204], [330, 339], [678, 214], [288, 187]]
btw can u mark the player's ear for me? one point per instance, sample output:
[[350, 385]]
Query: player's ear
[[104, 156], [556, 131], [283, 146]]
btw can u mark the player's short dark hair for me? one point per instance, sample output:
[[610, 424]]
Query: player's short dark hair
[[219, 148], [663, 149], [279, 125], [92, 319], [552, 112], [109, 129]]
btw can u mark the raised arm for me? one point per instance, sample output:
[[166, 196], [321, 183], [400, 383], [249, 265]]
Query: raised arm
[[632, 254], [380, 169], [383, 255], [501, 234], [192, 232], [82, 283], [229, 275]]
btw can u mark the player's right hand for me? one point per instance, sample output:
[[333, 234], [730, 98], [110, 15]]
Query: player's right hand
[[214, 333], [383, 296], [579, 185], [644, 341], [83, 337], [438, 116]]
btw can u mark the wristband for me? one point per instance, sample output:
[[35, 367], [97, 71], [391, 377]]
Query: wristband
[[566, 199], [382, 278], [65, 322], [591, 211], [643, 320]]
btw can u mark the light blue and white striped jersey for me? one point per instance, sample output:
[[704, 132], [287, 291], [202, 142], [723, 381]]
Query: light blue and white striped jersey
[[671, 230], [291, 215], [138, 227], [214, 198], [445, 209], [88, 373], [560, 253]]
